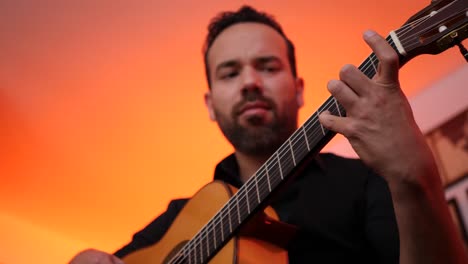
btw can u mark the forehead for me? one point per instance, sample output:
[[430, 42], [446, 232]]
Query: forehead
[[246, 41]]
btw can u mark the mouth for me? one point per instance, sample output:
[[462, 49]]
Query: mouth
[[254, 107]]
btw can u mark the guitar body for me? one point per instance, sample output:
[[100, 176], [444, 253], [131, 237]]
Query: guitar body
[[243, 249]]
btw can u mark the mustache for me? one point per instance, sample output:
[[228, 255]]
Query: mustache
[[253, 97]]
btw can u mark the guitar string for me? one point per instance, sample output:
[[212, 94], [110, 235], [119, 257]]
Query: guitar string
[[250, 186], [406, 29], [415, 44], [422, 20]]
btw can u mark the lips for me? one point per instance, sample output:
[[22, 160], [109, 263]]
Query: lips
[[256, 105]]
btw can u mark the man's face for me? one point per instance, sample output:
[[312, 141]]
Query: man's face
[[254, 96]]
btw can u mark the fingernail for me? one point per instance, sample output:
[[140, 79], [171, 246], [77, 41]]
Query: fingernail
[[331, 85], [369, 33], [323, 119], [324, 115]]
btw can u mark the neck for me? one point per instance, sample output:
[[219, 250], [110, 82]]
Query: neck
[[249, 164]]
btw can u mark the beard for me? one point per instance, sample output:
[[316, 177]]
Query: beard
[[258, 138]]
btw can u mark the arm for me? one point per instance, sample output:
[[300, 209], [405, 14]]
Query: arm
[[154, 231], [93, 256], [381, 128], [149, 235]]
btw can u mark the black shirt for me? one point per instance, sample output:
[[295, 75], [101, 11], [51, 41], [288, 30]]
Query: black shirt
[[343, 212]]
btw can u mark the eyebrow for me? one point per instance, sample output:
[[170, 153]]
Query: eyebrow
[[266, 59], [226, 64]]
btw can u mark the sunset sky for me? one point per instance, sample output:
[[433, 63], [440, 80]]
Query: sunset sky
[[102, 115]]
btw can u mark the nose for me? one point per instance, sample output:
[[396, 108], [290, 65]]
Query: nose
[[251, 81]]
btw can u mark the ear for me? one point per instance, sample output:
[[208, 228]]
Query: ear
[[209, 106], [299, 92]]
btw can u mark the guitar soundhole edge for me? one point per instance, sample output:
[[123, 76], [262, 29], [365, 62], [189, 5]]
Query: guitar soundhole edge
[[174, 251]]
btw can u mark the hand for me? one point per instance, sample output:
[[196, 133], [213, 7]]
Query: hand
[[379, 122], [93, 256]]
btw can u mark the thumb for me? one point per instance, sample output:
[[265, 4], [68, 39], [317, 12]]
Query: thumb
[[116, 260]]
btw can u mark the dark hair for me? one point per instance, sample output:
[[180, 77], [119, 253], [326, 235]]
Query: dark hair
[[245, 14]]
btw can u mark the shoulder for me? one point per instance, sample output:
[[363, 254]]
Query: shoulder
[[177, 204]]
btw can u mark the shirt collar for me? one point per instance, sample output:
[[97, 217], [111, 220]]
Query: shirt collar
[[227, 170]]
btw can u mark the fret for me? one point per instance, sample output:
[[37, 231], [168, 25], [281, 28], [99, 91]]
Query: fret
[[216, 230], [310, 128], [305, 136], [299, 145], [242, 200], [274, 171], [279, 165], [256, 188], [268, 177], [238, 209], [200, 251], [207, 238], [292, 152], [263, 180], [215, 242], [318, 113], [253, 198], [181, 256], [247, 199], [286, 159], [212, 237], [393, 43], [221, 226], [229, 217], [364, 69], [333, 106], [203, 242], [372, 57], [337, 106], [192, 256]]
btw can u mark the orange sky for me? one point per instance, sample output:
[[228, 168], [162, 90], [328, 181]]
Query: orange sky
[[101, 103]]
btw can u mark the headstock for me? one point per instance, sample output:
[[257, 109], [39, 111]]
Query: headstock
[[439, 26]]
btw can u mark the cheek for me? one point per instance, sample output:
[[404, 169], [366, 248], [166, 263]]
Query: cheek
[[284, 95], [286, 103], [222, 104]]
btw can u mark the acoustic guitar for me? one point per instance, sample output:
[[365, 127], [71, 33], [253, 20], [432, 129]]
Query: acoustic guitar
[[223, 225]]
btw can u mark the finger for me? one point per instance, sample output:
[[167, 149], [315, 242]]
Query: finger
[[388, 58], [116, 260], [345, 95], [334, 123], [355, 79]]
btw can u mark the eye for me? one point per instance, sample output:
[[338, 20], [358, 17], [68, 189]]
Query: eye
[[270, 67], [229, 74]]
